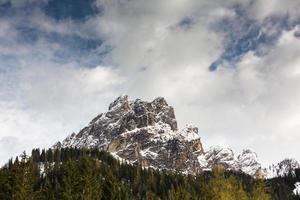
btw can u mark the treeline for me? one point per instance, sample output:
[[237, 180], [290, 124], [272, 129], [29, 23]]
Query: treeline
[[282, 187], [90, 174]]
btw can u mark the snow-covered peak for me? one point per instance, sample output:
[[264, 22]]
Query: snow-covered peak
[[159, 102], [146, 133], [121, 102], [248, 162], [221, 152], [248, 157], [221, 155], [189, 133], [283, 168]]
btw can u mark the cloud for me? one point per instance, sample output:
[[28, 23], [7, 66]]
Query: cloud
[[52, 102], [58, 72], [268, 97], [233, 106], [261, 9]]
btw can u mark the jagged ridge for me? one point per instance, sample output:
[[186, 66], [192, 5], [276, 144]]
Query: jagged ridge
[[283, 168], [146, 133]]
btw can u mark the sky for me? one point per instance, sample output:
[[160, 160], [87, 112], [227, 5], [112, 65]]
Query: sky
[[230, 67]]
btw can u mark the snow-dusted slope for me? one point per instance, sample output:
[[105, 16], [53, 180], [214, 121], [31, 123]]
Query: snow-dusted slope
[[146, 133], [297, 189], [221, 155], [283, 168], [248, 163], [142, 132]]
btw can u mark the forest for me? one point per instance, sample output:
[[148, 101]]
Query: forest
[[90, 174]]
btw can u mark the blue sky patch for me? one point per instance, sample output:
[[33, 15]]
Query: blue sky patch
[[243, 34], [71, 9], [186, 23]]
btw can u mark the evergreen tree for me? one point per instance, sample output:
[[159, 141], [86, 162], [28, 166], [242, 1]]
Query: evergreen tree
[[124, 193], [5, 187], [78, 174], [179, 194], [23, 179], [259, 191], [70, 183], [89, 181], [46, 191], [110, 188]]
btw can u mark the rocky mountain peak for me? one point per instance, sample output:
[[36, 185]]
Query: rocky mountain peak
[[146, 133], [283, 168], [138, 113], [249, 163], [121, 104], [248, 156]]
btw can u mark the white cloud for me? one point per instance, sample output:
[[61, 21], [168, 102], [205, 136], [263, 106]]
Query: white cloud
[[262, 8], [53, 102], [242, 106], [254, 104]]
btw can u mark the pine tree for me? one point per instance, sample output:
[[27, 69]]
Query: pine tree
[[223, 188], [23, 179], [178, 194], [124, 193], [89, 180], [46, 191], [110, 187], [70, 185], [5, 187], [91, 175], [259, 191], [237, 190]]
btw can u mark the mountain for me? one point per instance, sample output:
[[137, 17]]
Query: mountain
[[283, 168], [146, 133]]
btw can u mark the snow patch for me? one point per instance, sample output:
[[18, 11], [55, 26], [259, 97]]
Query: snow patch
[[283, 168], [297, 189], [190, 133]]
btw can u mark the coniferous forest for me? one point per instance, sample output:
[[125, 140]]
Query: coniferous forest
[[90, 174]]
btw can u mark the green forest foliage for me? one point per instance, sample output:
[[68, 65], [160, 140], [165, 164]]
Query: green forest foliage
[[82, 174]]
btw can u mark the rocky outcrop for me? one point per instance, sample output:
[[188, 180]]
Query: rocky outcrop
[[283, 168], [146, 133], [248, 163]]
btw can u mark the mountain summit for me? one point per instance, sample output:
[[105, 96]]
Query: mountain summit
[[146, 133]]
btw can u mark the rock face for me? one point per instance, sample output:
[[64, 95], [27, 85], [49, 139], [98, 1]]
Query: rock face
[[146, 133], [246, 162], [283, 168]]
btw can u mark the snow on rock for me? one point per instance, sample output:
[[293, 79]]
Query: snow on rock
[[248, 162], [297, 189], [203, 162], [190, 133], [221, 155], [283, 168], [146, 133]]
